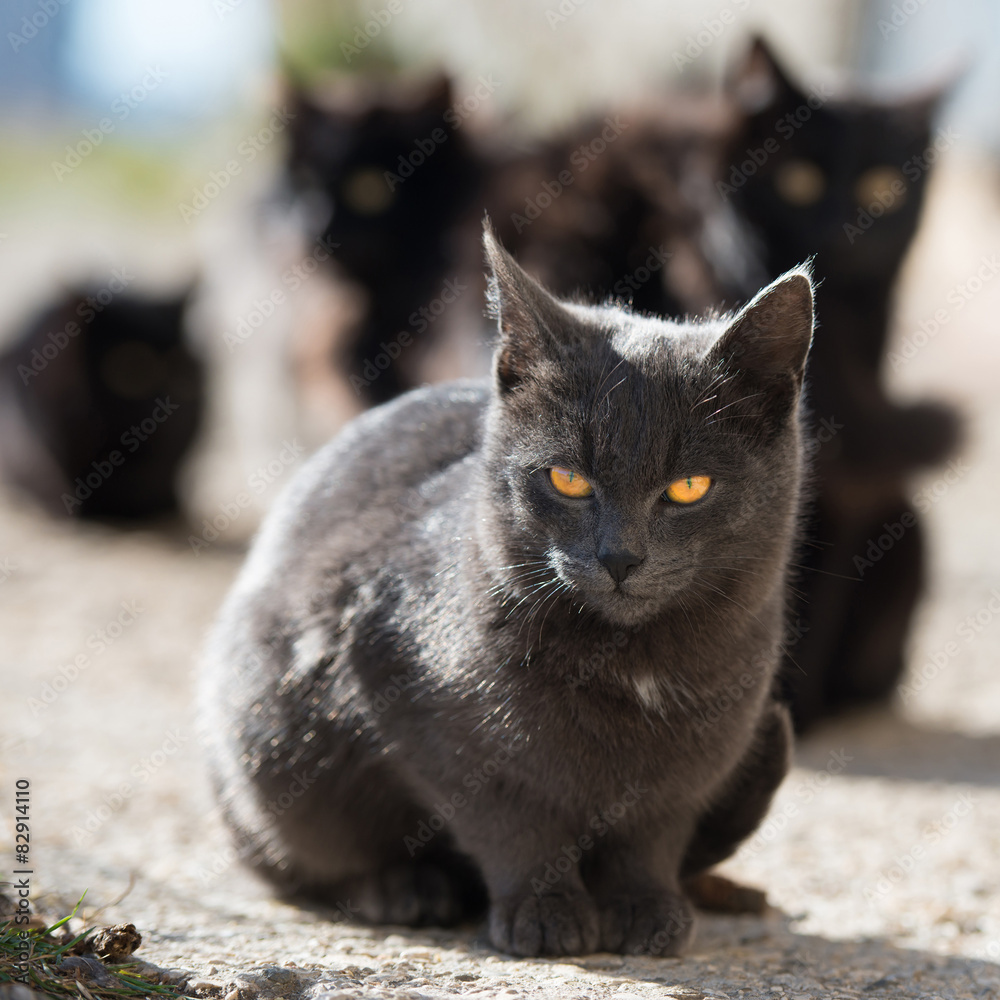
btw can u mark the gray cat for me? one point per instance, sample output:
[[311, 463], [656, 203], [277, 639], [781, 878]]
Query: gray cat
[[515, 639]]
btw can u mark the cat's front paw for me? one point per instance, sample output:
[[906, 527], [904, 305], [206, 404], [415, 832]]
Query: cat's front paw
[[646, 924], [554, 923]]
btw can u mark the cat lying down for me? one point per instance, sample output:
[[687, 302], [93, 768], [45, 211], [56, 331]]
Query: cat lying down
[[515, 639]]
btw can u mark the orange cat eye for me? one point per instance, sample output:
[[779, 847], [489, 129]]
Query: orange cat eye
[[570, 483], [688, 490]]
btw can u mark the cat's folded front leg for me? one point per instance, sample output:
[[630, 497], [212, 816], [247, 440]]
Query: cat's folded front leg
[[538, 902], [642, 908]]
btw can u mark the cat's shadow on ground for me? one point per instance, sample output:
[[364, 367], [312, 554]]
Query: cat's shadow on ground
[[882, 743], [734, 952]]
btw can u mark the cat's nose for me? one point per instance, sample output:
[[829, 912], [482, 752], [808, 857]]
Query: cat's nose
[[619, 564]]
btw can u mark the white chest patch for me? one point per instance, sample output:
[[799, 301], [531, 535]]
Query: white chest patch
[[648, 690], [307, 651]]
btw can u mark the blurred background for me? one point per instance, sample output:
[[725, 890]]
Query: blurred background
[[228, 226], [195, 184]]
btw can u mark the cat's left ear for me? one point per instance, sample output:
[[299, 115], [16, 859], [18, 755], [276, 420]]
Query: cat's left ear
[[531, 321], [766, 344]]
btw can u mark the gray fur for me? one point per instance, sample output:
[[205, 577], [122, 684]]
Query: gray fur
[[424, 681]]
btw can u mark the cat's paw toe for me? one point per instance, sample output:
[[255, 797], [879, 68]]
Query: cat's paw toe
[[412, 895], [550, 924], [658, 924]]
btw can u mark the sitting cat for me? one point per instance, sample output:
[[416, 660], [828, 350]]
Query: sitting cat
[[100, 403], [843, 182], [520, 634], [384, 168]]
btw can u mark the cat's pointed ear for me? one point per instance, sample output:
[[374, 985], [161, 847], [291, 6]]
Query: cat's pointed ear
[[759, 81], [439, 95], [530, 320], [767, 342]]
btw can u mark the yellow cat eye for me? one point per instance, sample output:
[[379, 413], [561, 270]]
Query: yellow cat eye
[[800, 183], [688, 490], [884, 185], [367, 192], [570, 483]]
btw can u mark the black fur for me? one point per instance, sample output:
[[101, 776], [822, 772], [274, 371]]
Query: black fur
[[626, 207], [387, 170], [425, 683], [100, 402]]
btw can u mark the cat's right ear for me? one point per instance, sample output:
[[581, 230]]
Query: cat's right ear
[[765, 346], [760, 82], [529, 319]]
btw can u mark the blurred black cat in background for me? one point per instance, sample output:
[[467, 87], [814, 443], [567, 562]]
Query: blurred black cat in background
[[386, 176], [843, 182], [625, 207], [615, 207], [100, 400]]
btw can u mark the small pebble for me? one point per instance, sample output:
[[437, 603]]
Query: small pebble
[[199, 985]]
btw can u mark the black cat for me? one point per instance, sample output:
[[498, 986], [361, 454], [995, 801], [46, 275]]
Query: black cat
[[626, 207], [100, 400], [521, 634], [388, 169], [843, 181]]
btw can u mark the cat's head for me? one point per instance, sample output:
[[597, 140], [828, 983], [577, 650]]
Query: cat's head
[[384, 166], [635, 464], [136, 347], [840, 179]]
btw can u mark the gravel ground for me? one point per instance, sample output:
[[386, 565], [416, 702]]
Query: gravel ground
[[881, 856]]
